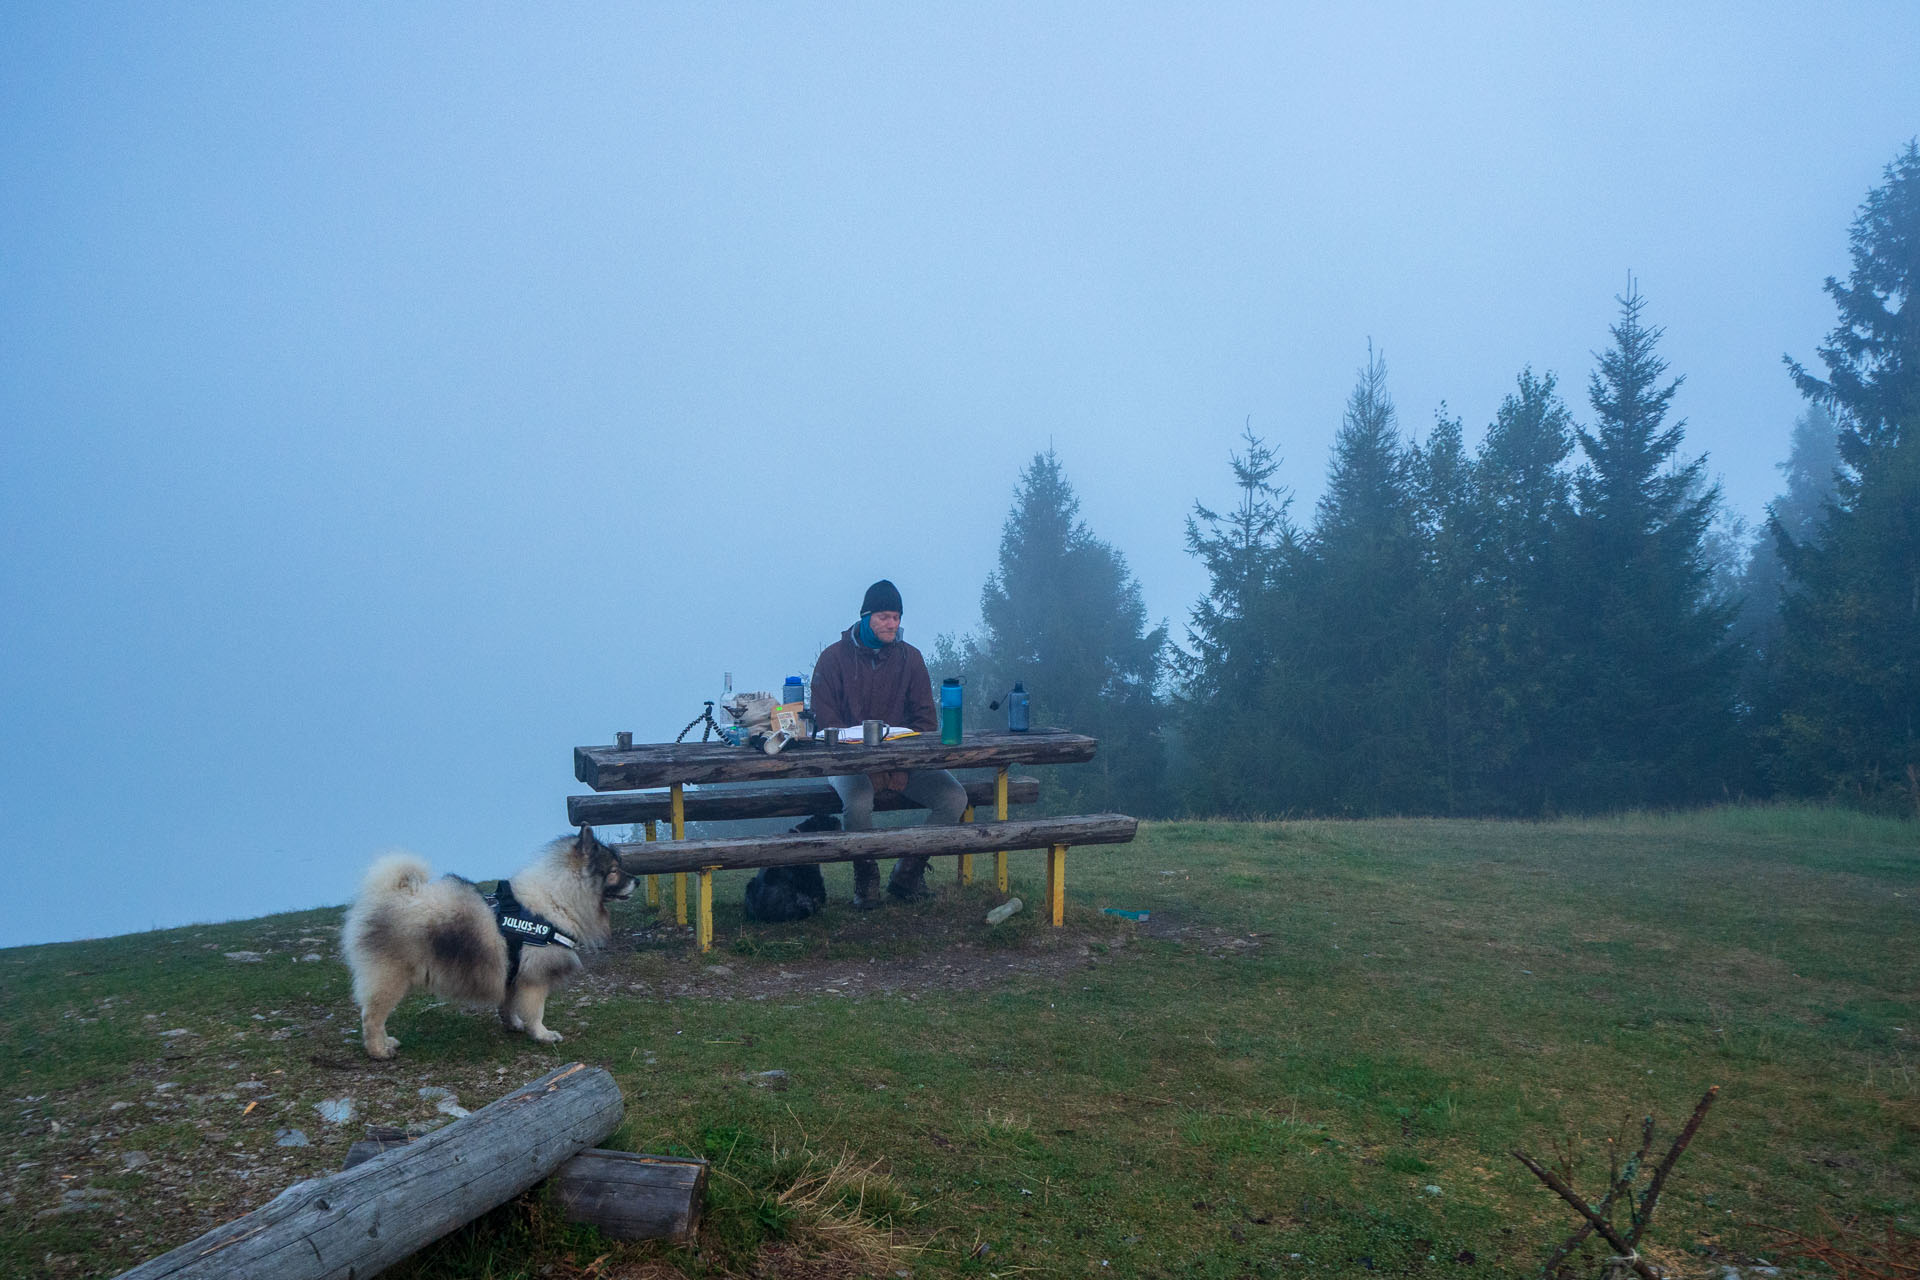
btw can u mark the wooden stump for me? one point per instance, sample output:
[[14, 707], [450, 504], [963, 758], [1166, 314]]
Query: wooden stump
[[625, 1195], [633, 1197], [363, 1220]]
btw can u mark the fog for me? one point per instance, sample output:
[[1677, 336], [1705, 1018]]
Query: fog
[[393, 399]]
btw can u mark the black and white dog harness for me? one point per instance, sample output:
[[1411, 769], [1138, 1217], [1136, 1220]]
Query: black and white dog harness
[[522, 928]]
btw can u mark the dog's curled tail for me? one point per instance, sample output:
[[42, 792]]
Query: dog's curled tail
[[396, 873]]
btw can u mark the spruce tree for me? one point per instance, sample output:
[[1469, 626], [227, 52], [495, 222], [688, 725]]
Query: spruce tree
[[1063, 614], [1453, 583], [1232, 748], [1359, 690], [1849, 677], [1525, 492], [1657, 709]]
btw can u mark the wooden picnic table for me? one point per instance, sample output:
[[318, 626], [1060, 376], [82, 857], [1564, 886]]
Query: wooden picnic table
[[666, 764], [677, 765]]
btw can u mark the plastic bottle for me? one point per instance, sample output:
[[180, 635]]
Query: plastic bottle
[[950, 711], [1005, 909], [1017, 709], [795, 690]]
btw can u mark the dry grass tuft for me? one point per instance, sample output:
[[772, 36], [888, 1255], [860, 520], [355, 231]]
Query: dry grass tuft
[[846, 1208], [1854, 1251]]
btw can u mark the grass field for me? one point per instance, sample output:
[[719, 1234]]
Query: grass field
[[1313, 1058]]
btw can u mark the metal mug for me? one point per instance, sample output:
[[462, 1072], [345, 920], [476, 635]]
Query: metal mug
[[623, 739], [873, 732]]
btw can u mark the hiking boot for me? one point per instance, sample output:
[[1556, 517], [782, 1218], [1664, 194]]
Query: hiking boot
[[909, 880], [866, 884]]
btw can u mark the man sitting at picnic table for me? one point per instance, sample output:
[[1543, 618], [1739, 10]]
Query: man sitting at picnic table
[[870, 673]]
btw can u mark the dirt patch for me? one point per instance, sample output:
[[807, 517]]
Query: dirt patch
[[958, 965], [1176, 928], [903, 953]]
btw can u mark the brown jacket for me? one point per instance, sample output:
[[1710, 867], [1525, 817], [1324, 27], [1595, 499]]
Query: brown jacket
[[851, 684]]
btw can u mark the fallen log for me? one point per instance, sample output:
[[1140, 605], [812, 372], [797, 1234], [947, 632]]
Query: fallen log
[[363, 1220], [626, 1196]]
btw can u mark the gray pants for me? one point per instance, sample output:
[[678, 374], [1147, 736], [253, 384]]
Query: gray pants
[[937, 789]]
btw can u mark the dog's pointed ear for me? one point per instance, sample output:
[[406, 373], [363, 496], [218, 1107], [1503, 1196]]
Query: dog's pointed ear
[[587, 842]]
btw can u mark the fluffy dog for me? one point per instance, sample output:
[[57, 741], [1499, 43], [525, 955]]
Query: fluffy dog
[[407, 930]]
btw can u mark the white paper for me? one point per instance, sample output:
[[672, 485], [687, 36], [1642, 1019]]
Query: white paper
[[855, 733]]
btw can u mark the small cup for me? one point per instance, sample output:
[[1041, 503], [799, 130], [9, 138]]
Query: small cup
[[623, 739], [873, 732]]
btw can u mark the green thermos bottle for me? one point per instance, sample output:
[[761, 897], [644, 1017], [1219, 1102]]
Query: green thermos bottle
[[950, 711]]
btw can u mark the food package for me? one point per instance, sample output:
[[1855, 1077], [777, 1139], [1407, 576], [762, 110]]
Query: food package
[[753, 710]]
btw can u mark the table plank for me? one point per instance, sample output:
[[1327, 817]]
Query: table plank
[[790, 799], [663, 764]]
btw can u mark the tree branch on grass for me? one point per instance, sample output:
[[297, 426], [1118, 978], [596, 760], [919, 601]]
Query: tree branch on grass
[[1620, 1181], [1621, 1184]]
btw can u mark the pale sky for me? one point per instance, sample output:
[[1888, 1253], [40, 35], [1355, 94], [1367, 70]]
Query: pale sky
[[394, 397]]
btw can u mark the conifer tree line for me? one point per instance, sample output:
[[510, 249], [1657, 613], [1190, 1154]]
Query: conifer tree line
[[1561, 620]]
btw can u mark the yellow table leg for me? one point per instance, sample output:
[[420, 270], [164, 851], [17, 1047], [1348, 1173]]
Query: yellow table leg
[[1057, 883], [679, 833], [966, 859], [1000, 815], [653, 882], [704, 933]]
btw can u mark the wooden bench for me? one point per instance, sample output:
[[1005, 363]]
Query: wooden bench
[[742, 853], [739, 801]]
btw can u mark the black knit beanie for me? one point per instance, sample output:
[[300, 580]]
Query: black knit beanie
[[882, 597]]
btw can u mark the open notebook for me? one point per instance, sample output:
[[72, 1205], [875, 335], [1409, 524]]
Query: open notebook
[[854, 735]]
